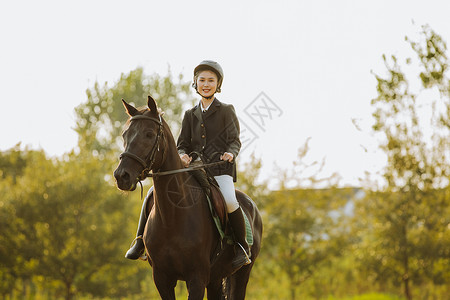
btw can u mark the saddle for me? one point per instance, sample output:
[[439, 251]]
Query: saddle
[[219, 205], [213, 194]]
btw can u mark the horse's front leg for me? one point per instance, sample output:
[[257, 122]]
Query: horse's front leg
[[165, 285], [214, 290], [196, 287]]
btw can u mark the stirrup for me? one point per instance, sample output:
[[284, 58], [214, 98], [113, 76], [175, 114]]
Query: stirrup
[[247, 255], [143, 257]]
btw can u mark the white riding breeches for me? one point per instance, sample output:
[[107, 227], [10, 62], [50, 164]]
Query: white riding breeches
[[226, 186]]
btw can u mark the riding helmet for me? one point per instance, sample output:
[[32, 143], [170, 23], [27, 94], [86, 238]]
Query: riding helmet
[[212, 66]]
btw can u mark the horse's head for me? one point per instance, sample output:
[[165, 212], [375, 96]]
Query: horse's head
[[143, 143]]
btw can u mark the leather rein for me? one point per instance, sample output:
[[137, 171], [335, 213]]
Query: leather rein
[[147, 163]]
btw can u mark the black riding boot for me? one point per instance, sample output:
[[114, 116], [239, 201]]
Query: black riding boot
[[137, 250], [242, 256]]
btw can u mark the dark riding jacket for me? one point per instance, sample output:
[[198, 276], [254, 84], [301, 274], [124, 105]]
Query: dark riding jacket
[[211, 133]]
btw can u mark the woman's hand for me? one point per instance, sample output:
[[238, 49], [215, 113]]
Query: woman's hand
[[227, 156], [185, 159]]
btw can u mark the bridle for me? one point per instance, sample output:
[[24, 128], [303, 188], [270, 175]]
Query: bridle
[[146, 163]]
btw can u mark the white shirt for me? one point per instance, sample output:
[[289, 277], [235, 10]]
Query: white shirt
[[205, 109]]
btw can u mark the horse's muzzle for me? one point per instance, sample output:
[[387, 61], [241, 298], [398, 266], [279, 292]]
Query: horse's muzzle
[[124, 180]]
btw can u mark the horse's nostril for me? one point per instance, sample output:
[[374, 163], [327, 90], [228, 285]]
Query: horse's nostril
[[121, 175], [126, 176]]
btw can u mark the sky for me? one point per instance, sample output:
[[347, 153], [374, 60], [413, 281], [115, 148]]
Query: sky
[[294, 70]]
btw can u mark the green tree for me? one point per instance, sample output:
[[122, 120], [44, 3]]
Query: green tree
[[73, 219], [99, 126], [301, 222], [17, 260], [64, 225], [100, 120], [249, 180], [407, 220]]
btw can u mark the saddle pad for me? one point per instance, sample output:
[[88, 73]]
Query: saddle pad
[[229, 238], [248, 230]]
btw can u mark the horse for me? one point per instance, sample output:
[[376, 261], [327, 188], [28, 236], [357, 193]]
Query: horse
[[180, 238]]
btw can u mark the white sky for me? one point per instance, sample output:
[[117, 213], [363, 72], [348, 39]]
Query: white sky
[[312, 58]]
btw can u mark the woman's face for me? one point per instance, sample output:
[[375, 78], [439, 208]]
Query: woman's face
[[207, 83]]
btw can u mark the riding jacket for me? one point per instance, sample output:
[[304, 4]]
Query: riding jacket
[[211, 133]]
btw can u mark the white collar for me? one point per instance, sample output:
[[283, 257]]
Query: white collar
[[205, 109]]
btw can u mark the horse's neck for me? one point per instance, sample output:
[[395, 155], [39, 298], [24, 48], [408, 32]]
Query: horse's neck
[[173, 191], [171, 158]]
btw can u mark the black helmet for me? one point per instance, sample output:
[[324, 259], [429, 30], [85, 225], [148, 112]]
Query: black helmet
[[212, 66]]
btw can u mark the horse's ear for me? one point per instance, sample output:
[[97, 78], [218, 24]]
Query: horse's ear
[[131, 111], [152, 104]]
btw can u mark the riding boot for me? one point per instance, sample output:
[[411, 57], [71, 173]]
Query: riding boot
[[242, 256], [137, 250]]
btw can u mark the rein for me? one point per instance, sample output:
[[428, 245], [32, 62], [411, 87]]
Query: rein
[[174, 172], [149, 160], [185, 169], [196, 167]]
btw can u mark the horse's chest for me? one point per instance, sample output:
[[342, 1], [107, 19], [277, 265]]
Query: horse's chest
[[170, 250], [176, 257]]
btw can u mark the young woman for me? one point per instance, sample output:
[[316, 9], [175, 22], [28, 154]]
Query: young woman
[[210, 128]]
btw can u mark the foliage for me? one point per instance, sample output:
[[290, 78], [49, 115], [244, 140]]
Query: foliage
[[299, 224], [249, 180], [62, 213], [64, 226], [404, 240], [372, 296], [16, 261], [101, 118]]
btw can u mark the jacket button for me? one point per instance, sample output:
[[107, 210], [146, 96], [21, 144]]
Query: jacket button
[[203, 136], [202, 125]]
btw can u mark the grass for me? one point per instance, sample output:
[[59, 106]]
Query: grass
[[371, 296]]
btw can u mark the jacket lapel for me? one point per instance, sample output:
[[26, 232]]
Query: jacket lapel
[[212, 109], [198, 112]]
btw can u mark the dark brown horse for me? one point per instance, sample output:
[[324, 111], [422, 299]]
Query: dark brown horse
[[180, 237]]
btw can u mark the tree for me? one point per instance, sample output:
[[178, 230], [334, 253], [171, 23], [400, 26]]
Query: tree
[[100, 120], [63, 224], [17, 262], [301, 221], [407, 237], [249, 181], [69, 213], [99, 125]]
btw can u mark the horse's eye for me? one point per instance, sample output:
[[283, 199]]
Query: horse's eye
[[149, 135]]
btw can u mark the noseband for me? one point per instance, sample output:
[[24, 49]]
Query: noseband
[[147, 163]]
